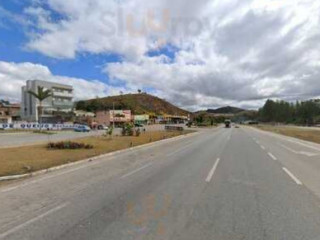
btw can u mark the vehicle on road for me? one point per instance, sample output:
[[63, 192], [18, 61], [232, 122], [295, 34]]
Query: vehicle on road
[[82, 128], [102, 127], [138, 125], [227, 123]]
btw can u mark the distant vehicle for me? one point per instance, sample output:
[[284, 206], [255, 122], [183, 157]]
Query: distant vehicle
[[227, 123], [102, 127], [82, 128], [138, 125]]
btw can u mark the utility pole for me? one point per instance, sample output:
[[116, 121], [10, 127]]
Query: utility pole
[[113, 116]]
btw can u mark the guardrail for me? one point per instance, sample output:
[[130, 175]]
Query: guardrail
[[174, 128]]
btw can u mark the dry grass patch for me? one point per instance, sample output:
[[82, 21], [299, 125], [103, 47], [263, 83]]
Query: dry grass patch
[[296, 132], [32, 158]]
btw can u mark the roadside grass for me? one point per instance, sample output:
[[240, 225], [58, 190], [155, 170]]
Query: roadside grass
[[311, 135], [28, 159]]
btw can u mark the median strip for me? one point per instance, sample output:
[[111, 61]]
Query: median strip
[[24, 161]]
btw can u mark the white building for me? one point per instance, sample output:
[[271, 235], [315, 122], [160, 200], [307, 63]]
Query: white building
[[60, 101]]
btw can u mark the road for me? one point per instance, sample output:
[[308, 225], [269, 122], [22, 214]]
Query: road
[[224, 184]]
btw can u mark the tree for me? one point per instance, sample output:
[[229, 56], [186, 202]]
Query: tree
[[41, 95], [81, 105], [139, 91]]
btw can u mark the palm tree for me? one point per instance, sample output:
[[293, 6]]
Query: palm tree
[[41, 95]]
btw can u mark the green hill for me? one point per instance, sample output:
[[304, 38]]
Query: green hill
[[226, 110], [141, 103]]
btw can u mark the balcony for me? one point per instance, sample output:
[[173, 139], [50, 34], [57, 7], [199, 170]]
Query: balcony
[[63, 94], [62, 104]]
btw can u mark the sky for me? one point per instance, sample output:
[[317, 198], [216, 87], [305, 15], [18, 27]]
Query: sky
[[196, 54]]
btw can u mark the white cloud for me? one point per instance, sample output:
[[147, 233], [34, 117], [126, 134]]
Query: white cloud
[[14, 75], [226, 52]]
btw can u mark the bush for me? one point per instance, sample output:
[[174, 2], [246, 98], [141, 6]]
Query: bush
[[138, 132], [127, 130], [69, 145]]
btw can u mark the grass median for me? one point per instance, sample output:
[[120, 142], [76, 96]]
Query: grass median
[[28, 159], [311, 135]]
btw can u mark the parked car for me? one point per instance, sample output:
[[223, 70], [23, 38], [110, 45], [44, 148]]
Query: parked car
[[102, 127], [82, 128], [138, 125]]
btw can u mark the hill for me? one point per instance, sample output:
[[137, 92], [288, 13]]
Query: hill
[[141, 103], [226, 110]]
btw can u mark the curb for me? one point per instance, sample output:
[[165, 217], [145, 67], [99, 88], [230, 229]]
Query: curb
[[44, 171]]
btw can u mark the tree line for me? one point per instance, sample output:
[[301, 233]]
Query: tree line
[[303, 113]]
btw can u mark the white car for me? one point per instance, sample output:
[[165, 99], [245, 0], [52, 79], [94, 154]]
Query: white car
[[102, 127]]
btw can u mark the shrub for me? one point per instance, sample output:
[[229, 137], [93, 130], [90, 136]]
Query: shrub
[[138, 132], [127, 130], [68, 145]]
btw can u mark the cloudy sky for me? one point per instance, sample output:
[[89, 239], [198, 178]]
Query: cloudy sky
[[196, 54]]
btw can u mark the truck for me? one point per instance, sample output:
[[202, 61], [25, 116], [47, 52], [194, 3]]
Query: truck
[[227, 123]]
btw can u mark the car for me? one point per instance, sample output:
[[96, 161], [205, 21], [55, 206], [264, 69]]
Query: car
[[82, 128], [102, 127], [138, 125]]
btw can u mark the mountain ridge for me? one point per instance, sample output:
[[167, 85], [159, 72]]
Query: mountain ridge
[[140, 103]]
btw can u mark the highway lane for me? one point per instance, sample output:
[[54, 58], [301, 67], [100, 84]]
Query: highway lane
[[218, 184], [298, 156]]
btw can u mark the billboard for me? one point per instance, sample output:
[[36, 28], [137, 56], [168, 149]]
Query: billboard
[[35, 126]]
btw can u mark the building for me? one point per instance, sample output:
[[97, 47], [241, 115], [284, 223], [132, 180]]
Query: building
[[141, 119], [9, 113], [172, 119], [59, 102], [118, 117], [83, 117]]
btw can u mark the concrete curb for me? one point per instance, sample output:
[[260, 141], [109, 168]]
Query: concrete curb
[[44, 171]]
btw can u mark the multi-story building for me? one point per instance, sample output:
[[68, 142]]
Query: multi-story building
[[61, 101]]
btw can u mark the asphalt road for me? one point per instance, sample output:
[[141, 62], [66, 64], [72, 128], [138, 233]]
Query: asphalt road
[[223, 184]]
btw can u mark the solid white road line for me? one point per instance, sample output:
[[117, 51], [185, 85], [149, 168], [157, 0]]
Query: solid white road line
[[272, 156], [137, 170], [292, 176], [212, 171], [178, 150], [17, 228], [263, 148]]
